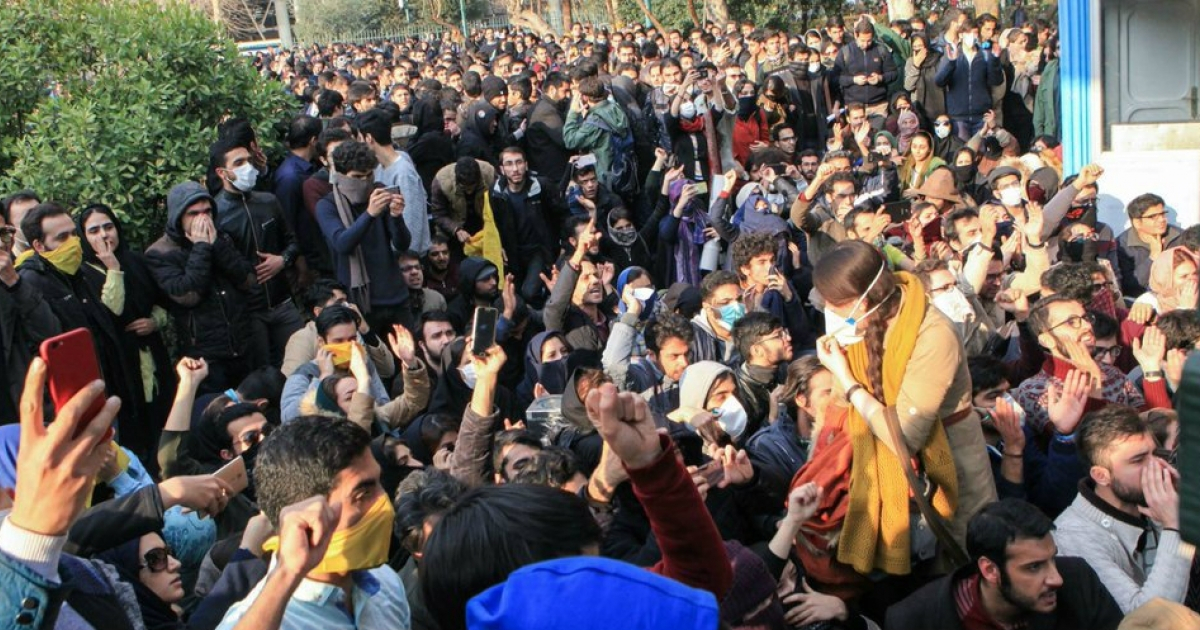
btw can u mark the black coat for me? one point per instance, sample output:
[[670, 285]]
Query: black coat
[[547, 151], [1083, 602]]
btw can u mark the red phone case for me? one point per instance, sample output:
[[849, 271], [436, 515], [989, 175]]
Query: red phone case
[[71, 365]]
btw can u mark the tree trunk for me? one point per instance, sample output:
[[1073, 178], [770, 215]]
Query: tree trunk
[[527, 19], [650, 16], [691, 7], [900, 9], [987, 6], [567, 20], [719, 10]]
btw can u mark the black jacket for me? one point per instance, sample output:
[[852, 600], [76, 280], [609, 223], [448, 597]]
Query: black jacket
[[26, 320], [208, 284], [531, 227], [1083, 603], [755, 396], [256, 224], [547, 151], [852, 60]]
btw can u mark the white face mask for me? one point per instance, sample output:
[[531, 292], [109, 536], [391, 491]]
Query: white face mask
[[941, 131], [642, 294], [245, 176], [1010, 197], [732, 417], [814, 67], [968, 41], [468, 375], [845, 329], [670, 89], [687, 109], [954, 305]]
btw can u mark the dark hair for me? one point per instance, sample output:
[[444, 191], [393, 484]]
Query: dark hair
[[329, 102], [232, 414], [31, 224], [1189, 239], [749, 246], [998, 524], [1039, 314], [431, 316], [377, 124], [715, 280], [553, 466], [840, 177], [1102, 429], [555, 80], [799, 381], [1073, 280], [334, 316], [302, 131], [1142, 203], [321, 292], [513, 437], [987, 372], [472, 83], [593, 89], [6, 204], [522, 86], [467, 171], [845, 273], [353, 155], [667, 326], [751, 328], [423, 494], [950, 222], [264, 383], [359, 90], [1181, 327], [1105, 327], [303, 458], [493, 531]]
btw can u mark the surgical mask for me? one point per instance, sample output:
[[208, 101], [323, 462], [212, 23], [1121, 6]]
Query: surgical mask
[[845, 330], [828, 63], [468, 374], [670, 89], [356, 191], [731, 415], [687, 109], [986, 412], [954, 305], [643, 294], [814, 67], [245, 177], [968, 41], [941, 131], [730, 314], [364, 546], [67, 257], [1011, 197]]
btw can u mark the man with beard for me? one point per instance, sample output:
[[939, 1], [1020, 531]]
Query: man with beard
[[440, 275], [548, 153], [478, 285], [534, 213], [435, 332], [765, 344], [1014, 580], [574, 304], [1064, 329], [1125, 520]]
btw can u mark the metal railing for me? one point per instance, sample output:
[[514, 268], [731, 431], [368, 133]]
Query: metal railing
[[433, 31]]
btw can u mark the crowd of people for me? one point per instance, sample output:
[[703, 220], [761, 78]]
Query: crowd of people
[[792, 330]]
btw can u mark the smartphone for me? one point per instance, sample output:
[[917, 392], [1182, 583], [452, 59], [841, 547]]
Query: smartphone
[[701, 188], [71, 365], [483, 330], [713, 473], [899, 211], [8, 234], [234, 474], [395, 190]]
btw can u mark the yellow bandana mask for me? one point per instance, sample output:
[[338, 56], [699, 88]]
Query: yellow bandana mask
[[364, 546], [67, 257], [341, 353]]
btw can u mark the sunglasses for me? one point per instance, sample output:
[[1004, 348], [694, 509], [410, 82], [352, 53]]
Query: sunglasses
[[157, 559], [250, 438]]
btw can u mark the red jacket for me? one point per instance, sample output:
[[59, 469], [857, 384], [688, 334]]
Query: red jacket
[[747, 132]]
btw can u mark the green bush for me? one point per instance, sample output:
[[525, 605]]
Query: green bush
[[117, 102]]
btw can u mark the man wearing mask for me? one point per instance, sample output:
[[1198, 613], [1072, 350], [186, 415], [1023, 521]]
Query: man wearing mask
[[305, 343], [318, 485], [968, 75], [945, 293], [765, 345], [534, 214], [548, 153], [364, 225], [865, 69], [1149, 235], [721, 308], [208, 282], [256, 223]]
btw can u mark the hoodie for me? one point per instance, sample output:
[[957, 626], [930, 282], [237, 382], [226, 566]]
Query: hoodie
[[479, 140], [589, 138], [208, 285], [462, 307]]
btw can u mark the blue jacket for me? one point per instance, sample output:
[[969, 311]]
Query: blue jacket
[[969, 84], [380, 239], [1051, 477]]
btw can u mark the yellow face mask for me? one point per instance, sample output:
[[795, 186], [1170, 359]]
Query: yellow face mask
[[364, 546], [67, 257], [341, 353]]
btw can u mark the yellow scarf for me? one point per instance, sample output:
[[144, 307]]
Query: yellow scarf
[[875, 538], [363, 546], [67, 257], [486, 242]]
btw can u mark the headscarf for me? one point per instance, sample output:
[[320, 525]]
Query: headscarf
[[909, 124], [1162, 276], [141, 289], [451, 396], [533, 365], [691, 235], [156, 613]]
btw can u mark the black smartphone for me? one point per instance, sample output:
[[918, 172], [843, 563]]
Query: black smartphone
[[899, 211], [483, 330]]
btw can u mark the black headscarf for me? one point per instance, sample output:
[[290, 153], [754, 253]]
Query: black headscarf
[[451, 395], [156, 613], [431, 148]]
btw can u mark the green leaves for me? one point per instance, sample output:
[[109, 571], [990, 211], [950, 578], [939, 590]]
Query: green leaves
[[117, 102]]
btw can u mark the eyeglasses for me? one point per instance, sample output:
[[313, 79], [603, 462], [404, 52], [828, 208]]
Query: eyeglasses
[[252, 437], [157, 559], [780, 335], [1075, 322], [1113, 352], [1153, 217]]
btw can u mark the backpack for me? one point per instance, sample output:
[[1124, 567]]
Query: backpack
[[622, 175]]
